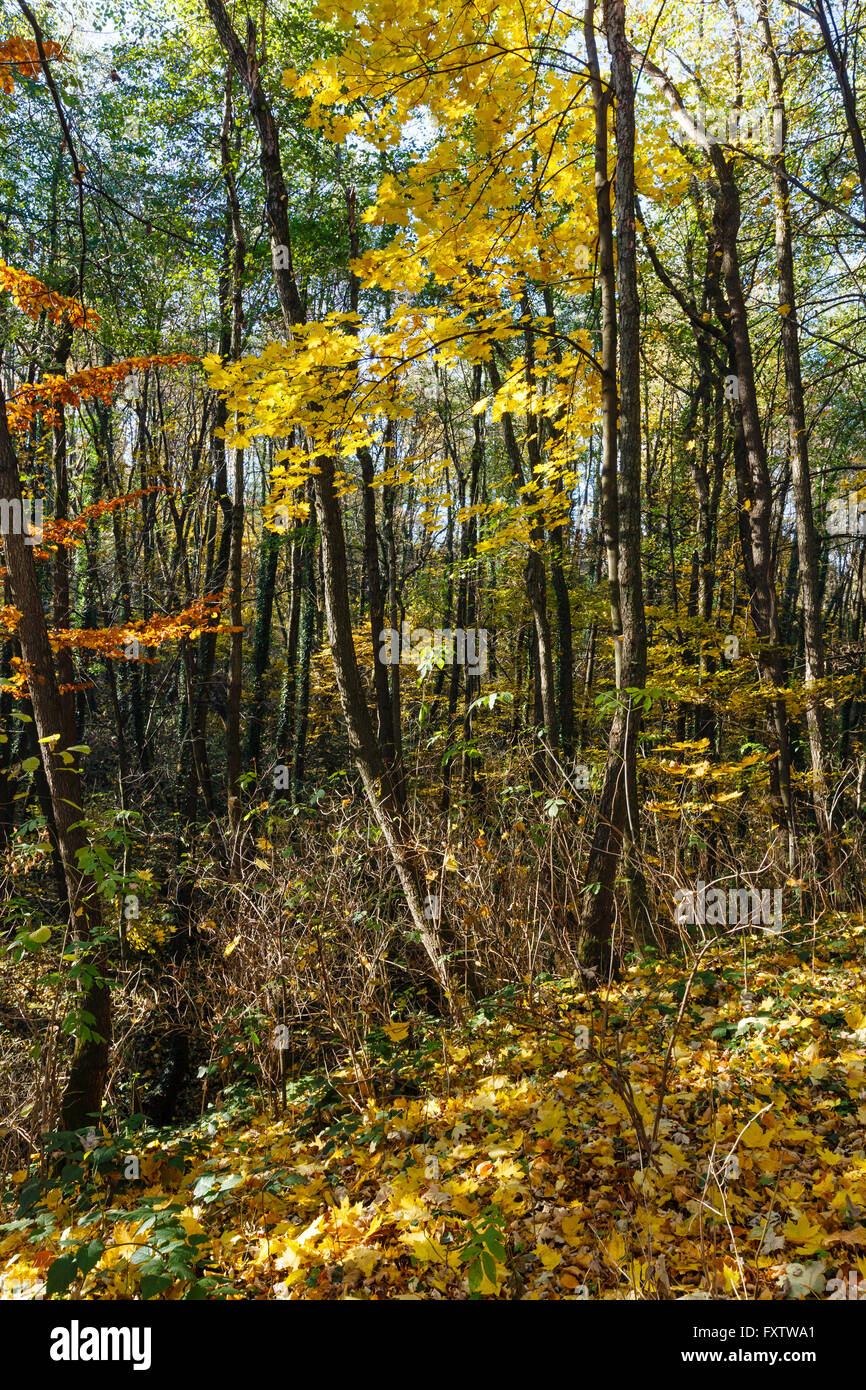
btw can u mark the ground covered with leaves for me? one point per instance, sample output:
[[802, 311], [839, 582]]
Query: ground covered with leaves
[[694, 1130]]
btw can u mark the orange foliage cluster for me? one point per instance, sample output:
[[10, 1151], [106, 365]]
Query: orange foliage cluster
[[9, 619], [16, 686], [68, 532], [45, 397], [33, 297], [201, 616], [23, 55]]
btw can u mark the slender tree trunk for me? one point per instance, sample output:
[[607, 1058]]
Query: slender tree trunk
[[564, 628], [246, 63], [472, 682], [813, 636], [395, 696], [618, 808], [82, 1098], [372, 570], [307, 618], [756, 532], [535, 578], [376, 601], [301, 570], [607, 285], [365, 751], [835, 47], [62, 610], [235, 567], [269, 555]]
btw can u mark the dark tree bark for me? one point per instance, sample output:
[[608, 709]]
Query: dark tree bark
[[247, 66], [372, 569], [601, 97], [750, 460], [269, 555], [235, 566], [618, 806], [535, 577], [807, 549], [365, 751], [559, 581], [82, 1098], [306, 580], [835, 46], [62, 606]]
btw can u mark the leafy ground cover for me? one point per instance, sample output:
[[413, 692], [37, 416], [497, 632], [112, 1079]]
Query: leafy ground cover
[[690, 1131]]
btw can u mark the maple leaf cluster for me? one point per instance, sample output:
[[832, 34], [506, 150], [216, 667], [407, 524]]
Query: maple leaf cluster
[[69, 532], [48, 396], [22, 55], [114, 642], [189, 623], [35, 298]]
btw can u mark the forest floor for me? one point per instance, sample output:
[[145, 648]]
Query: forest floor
[[512, 1158]]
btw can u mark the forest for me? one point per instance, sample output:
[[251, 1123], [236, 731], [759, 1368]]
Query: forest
[[432, 715]]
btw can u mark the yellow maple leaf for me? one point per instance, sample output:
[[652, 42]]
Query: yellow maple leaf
[[424, 1247], [549, 1257], [397, 1032], [805, 1234], [754, 1137], [361, 1259]]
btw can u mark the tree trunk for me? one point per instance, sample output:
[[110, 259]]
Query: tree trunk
[[535, 579], [365, 751], [82, 1098], [235, 567], [755, 527], [269, 555], [618, 804], [307, 619], [836, 48], [601, 97], [813, 636], [62, 619]]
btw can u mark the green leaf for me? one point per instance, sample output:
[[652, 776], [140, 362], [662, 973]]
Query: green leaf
[[61, 1274], [154, 1284], [493, 1243], [88, 1256], [204, 1184]]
